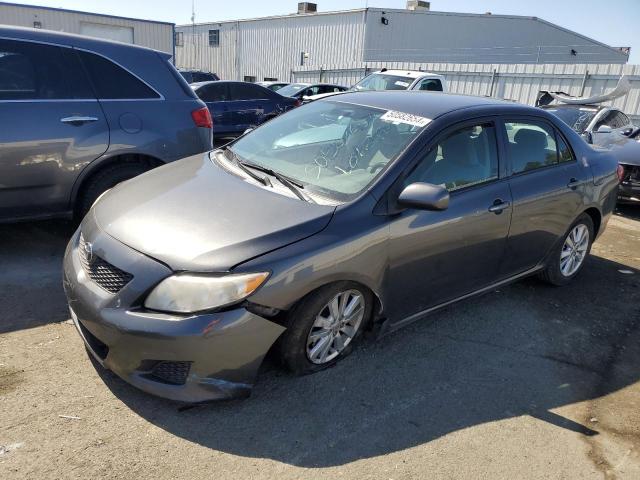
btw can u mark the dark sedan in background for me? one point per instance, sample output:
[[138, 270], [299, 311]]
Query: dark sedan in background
[[237, 106], [78, 115], [336, 217], [195, 76], [301, 90], [609, 128]]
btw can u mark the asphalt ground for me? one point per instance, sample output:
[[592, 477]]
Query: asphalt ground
[[529, 381]]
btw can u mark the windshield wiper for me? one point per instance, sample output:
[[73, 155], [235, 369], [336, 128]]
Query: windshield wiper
[[291, 184], [263, 180]]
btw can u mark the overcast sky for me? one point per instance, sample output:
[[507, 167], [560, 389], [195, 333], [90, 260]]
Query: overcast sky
[[616, 23]]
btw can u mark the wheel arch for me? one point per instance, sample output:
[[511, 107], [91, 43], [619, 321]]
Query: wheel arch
[[94, 168], [596, 218]]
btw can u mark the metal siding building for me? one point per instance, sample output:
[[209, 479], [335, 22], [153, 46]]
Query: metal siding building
[[271, 47], [148, 33]]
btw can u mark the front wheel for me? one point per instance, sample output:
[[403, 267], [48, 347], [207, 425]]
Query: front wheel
[[324, 326], [569, 257]]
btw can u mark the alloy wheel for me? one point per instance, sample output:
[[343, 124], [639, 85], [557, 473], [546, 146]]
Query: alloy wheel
[[335, 326], [574, 250]]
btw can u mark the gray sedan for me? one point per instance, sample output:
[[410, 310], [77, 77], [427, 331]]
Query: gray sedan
[[337, 217]]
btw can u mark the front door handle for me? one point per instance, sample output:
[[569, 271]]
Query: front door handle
[[573, 184], [78, 120], [498, 206]]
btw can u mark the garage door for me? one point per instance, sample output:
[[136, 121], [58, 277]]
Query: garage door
[[109, 32]]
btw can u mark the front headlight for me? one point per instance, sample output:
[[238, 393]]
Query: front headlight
[[192, 292]]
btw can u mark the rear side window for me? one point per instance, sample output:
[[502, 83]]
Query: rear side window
[[33, 71], [113, 82], [247, 91], [532, 145]]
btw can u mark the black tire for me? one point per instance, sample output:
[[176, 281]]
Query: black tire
[[103, 181], [552, 273], [293, 343]]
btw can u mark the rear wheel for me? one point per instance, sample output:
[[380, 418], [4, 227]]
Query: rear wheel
[[103, 181], [324, 326], [569, 257]]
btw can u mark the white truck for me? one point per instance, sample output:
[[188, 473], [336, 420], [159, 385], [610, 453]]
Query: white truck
[[394, 80]]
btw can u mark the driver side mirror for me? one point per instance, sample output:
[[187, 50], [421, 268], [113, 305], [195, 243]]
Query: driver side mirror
[[424, 196], [604, 129]]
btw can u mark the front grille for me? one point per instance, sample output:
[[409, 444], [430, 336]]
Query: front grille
[[174, 373], [107, 276]]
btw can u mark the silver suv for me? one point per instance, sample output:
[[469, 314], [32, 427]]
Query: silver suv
[[80, 115]]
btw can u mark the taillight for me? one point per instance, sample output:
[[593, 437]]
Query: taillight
[[620, 173], [202, 118], [298, 102]]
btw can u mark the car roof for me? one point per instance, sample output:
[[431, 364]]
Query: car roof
[[409, 73], [574, 106], [422, 103], [69, 39]]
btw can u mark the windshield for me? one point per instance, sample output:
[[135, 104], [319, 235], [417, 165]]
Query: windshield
[[291, 89], [334, 149], [577, 118], [380, 81]]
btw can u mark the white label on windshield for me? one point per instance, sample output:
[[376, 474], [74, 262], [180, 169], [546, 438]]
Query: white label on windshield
[[407, 118], [402, 84]]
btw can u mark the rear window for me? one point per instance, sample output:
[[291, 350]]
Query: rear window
[[113, 82]]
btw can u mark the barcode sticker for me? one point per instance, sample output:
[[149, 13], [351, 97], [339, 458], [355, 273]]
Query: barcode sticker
[[407, 118]]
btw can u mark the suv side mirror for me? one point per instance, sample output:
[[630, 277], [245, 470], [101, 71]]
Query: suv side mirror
[[604, 129], [424, 196]]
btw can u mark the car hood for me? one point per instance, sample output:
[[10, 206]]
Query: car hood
[[194, 215]]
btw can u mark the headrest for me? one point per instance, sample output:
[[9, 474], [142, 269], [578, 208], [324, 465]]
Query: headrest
[[529, 138]]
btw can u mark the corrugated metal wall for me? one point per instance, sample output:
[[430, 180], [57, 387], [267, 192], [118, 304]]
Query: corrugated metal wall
[[470, 38], [520, 82], [271, 47], [146, 33]]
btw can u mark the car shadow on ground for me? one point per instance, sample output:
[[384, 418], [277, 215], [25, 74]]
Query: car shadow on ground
[[31, 275], [523, 350]]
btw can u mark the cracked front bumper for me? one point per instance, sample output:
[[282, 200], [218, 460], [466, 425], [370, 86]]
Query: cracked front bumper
[[208, 356]]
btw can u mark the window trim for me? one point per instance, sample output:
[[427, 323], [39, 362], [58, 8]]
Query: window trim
[[530, 118], [217, 44], [179, 35]]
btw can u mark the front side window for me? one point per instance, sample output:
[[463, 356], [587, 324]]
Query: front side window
[[334, 149], [33, 71], [463, 158], [381, 81], [214, 38], [532, 145], [112, 82]]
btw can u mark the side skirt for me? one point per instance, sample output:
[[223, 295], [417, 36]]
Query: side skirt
[[388, 327]]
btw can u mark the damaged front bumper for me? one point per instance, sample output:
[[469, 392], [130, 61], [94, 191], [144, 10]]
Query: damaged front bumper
[[194, 358]]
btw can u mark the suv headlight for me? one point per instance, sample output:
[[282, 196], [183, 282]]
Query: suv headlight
[[193, 292]]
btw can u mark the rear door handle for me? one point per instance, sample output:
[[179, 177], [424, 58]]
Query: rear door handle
[[498, 206], [573, 184], [78, 120]]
